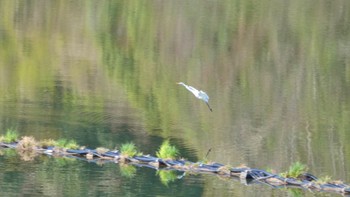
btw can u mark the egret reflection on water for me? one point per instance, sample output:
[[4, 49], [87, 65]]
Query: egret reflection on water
[[198, 93]]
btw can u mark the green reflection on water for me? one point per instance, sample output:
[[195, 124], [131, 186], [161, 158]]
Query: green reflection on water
[[167, 176], [277, 73]]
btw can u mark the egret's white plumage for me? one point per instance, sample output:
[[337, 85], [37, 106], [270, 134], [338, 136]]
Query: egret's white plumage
[[197, 93]]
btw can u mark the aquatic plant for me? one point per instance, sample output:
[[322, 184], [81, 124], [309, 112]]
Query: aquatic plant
[[61, 143], [295, 170], [166, 151], [10, 136], [72, 144], [324, 180], [27, 144], [47, 142], [129, 150], [68, 144]]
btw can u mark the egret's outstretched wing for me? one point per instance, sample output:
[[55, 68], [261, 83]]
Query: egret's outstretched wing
[[203, 96], [198, 93]]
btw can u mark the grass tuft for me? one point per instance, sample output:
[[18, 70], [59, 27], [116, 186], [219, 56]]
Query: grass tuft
[[129, 150], [324, 180], [68, 144], [10, 136], [47, 142], [295, 170], [166, 151]]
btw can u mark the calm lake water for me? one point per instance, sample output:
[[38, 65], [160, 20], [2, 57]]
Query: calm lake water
[[104, 73]]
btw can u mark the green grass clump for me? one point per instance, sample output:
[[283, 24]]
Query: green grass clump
[[324, 180], [47, 142], [129, 150], [61, 143], [295, 170], [166, 151], [68, 144], [10, 136]]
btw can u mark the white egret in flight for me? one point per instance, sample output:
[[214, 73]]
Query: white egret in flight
[[198, 93]]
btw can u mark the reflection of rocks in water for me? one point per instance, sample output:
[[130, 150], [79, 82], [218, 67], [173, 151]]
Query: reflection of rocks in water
[[100, 162], [89, 156], [27, 155]]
